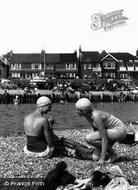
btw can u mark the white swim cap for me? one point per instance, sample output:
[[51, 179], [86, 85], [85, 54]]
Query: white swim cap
[[83, 104], [43, 101]]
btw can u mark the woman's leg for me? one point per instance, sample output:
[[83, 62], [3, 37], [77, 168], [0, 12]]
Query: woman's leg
[[114, 135]]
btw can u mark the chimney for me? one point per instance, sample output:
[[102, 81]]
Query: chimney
[[80, 49], [137, 53], [103, 53], [11, 53]]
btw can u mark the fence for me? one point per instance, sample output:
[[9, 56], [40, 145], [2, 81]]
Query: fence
[[32, 98]]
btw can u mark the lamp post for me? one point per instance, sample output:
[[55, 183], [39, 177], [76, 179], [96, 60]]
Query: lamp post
[[44, 65]]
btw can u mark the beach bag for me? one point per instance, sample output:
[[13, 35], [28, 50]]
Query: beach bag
[[71, 148]]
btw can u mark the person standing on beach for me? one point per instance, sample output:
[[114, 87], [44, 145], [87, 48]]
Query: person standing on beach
[[38, 130], [107, 129]]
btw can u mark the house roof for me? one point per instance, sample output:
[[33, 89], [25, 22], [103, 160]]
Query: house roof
[[64, 57], [52, 58], [37, 58], [3, 61], [124, 56], [91, 56], [27, 58], [120, 56]]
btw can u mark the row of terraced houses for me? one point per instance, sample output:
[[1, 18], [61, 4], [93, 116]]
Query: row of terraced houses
[[84, 64]]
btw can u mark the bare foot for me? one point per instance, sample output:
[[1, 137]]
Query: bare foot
[[113, 157]]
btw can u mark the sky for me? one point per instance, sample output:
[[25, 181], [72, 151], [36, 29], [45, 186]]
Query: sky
[[61, 26]]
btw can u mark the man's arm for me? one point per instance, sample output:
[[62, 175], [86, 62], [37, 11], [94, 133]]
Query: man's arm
[[48, 132]]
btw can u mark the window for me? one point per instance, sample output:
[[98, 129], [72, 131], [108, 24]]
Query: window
[[70, 66], [130, 63], [49, 66], [35, 75], [109, 64], [28, 75], [89, 66], [36, 66], [15, 75], [96, 65], [72, 75], [85, 66], [73, 65], [136, 63], [16, 66], [110, 75], [124, 76], [121, 64], [67, 66]]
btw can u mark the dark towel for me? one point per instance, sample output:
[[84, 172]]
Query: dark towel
[[57, 177]]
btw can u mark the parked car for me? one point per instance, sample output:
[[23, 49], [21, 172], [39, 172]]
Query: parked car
[[7, 84]]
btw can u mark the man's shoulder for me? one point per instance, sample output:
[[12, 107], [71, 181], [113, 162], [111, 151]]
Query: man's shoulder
[[28, 116]]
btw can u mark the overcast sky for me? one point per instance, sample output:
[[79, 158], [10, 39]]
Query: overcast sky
[[61, 26]]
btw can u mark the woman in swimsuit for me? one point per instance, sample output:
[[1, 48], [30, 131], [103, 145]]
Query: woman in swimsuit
[[107, 129]]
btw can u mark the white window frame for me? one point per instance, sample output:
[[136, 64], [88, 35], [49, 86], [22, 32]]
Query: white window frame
[[110, 75], [73, 66], [35, 75], [109, 65], [49, 66], [16, 75], [15, 66], [39, 66], [89, 66], [67, 66], [70, 66], [85, 66]]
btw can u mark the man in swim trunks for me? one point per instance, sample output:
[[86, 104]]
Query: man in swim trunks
[[107, 129], [38, 130]]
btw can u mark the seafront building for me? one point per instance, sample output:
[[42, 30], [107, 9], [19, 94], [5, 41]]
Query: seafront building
[[47, 65], [85, 64]]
